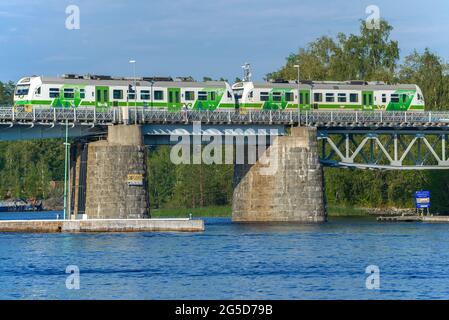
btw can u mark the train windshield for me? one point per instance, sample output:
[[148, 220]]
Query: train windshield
[[22, 90], [238, 94]]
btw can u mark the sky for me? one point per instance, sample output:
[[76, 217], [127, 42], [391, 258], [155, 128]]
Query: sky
[[194, 37]]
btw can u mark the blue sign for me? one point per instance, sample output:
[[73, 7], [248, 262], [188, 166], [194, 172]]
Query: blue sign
[[422, 199]]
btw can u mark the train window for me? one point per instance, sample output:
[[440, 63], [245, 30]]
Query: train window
[[131, 94], [82, 93], [117, 94], [404, 98], [395, 98], [190, 95], [289, 96], [202, 95], [213, 96], [342, 97], [353, 98], [264, 96], [277, 96], [384, 98], [38, 90], [158, 95], [330, 97], [251, 94], [145, 95], [69, 93], [301, 98], [307, 98], [318, 97], [54, 93], [229, 95]]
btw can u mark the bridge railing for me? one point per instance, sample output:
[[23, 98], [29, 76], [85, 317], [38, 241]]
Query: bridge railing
[[46, 114]]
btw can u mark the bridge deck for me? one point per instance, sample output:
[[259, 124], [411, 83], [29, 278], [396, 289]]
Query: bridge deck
[[363, 139]]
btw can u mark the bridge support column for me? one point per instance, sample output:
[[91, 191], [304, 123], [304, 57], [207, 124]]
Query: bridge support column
[[292, 192], [78, 168], [116, 176]]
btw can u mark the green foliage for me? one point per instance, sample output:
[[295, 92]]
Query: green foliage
[[430, 73], [188, 186], [371, 55], [28, 167]]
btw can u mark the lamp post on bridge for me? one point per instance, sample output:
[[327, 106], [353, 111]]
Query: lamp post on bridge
[[133, 62], [299, 94], [66, 169]]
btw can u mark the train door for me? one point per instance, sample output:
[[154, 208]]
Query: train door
[[102, 97], [367, 100], [174, 99], [304, 99]]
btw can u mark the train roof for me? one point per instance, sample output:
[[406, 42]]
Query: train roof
[[333, 85], [129, 81]]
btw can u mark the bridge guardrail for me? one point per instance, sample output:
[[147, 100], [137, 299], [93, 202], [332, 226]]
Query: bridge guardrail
[[115, 115]]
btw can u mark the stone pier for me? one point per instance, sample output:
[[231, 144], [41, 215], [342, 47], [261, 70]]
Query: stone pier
[[289, 189], [116, 182]]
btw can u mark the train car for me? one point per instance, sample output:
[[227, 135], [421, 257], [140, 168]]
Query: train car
[[73, 91], [328, 95]]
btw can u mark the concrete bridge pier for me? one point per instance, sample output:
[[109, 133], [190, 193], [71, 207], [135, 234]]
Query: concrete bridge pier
[[286, 188], [109, 177]]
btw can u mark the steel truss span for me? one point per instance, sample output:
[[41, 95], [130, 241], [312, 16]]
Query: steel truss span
[[386, 149]]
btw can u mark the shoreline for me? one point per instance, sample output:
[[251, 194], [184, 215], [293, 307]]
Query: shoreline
[[226, 212]]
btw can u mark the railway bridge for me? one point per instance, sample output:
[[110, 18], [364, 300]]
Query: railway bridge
[[280, 177]]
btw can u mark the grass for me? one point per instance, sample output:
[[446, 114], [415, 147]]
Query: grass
[[213, 211], [334, 211], [226, 211]]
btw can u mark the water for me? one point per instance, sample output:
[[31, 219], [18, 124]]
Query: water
[[231, 261]]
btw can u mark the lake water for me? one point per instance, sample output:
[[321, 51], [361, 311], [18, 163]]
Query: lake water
[[230, 261]]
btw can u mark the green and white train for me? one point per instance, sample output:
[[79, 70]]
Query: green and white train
[[73, 91], [328, 95]]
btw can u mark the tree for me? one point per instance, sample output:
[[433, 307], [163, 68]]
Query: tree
[[430, 73], [369, 56]]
